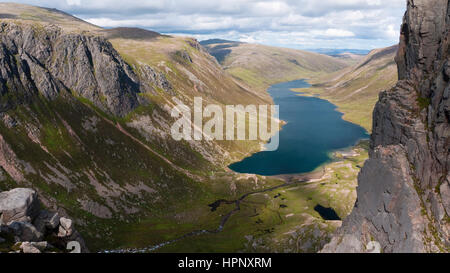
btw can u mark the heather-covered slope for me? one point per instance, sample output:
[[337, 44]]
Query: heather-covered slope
[[403, 193]]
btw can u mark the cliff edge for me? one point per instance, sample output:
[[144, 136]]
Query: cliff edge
[[404, 188]]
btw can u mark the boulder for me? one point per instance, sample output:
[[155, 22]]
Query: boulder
[[47, 221], [19, 205], [34, 247], [65, 227], [65, 223], [25, 232], [29, 226], [28, 247]]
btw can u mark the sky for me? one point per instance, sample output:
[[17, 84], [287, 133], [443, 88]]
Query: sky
[[302, 24]]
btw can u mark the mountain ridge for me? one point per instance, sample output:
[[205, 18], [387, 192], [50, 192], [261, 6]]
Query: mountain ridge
[[260, 66]]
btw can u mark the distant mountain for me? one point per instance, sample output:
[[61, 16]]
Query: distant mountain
[[219, 48], [337, 52], [130, 33], [217, 41], [44, 15], [260, 66], [355, 89]]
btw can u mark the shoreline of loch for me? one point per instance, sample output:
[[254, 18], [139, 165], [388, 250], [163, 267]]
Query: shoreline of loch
[[312, 130]]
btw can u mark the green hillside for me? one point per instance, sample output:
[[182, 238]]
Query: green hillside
[[261, 66], [355, 89]]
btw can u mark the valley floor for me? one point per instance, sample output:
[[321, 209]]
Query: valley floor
[[276, 216]]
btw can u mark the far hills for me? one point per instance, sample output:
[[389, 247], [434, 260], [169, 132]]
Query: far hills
[[261, 66], [353, 87]]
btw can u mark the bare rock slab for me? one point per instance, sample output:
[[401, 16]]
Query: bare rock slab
[[18, 205]]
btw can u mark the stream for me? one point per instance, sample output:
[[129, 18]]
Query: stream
[[214, 206], [314, 129]]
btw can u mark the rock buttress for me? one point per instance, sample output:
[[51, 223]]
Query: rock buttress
[[404, 188]]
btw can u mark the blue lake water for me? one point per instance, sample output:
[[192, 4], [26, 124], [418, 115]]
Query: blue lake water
[[314, 129]]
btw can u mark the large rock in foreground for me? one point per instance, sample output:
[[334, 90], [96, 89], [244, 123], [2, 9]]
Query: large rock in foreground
[[25, 228], [18, 205]]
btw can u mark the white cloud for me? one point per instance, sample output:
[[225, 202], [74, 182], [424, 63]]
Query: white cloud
[[271, 8], [392, 32], [333, 32], [73, 2], [293, 23], [248, 39]]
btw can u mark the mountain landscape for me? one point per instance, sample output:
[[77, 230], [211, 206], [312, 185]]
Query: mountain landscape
[[355, 89], [261, 66], [85, 123], [87, 153]]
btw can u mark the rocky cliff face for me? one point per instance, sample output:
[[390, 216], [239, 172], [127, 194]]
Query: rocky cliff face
[[50, 62], [404, 188]]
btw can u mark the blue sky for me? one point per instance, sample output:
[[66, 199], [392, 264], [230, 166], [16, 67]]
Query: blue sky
[[303, 24]]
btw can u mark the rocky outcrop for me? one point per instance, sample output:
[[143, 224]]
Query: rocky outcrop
[[403, 193], [183, 56], [154, 78], [25, 228], [48, 61], [18, 205]]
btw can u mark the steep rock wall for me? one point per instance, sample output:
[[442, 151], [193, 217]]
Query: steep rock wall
[[404, 188], [48, 61]]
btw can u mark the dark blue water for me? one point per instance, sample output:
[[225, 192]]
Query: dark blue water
[[328, 214], [314, 129]]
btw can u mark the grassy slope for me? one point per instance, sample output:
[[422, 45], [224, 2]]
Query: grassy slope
[[149, 200], [40, 15], [161, 53], [355, 89], [201, 78], [93, 166], [261, 66], [350, 58]]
